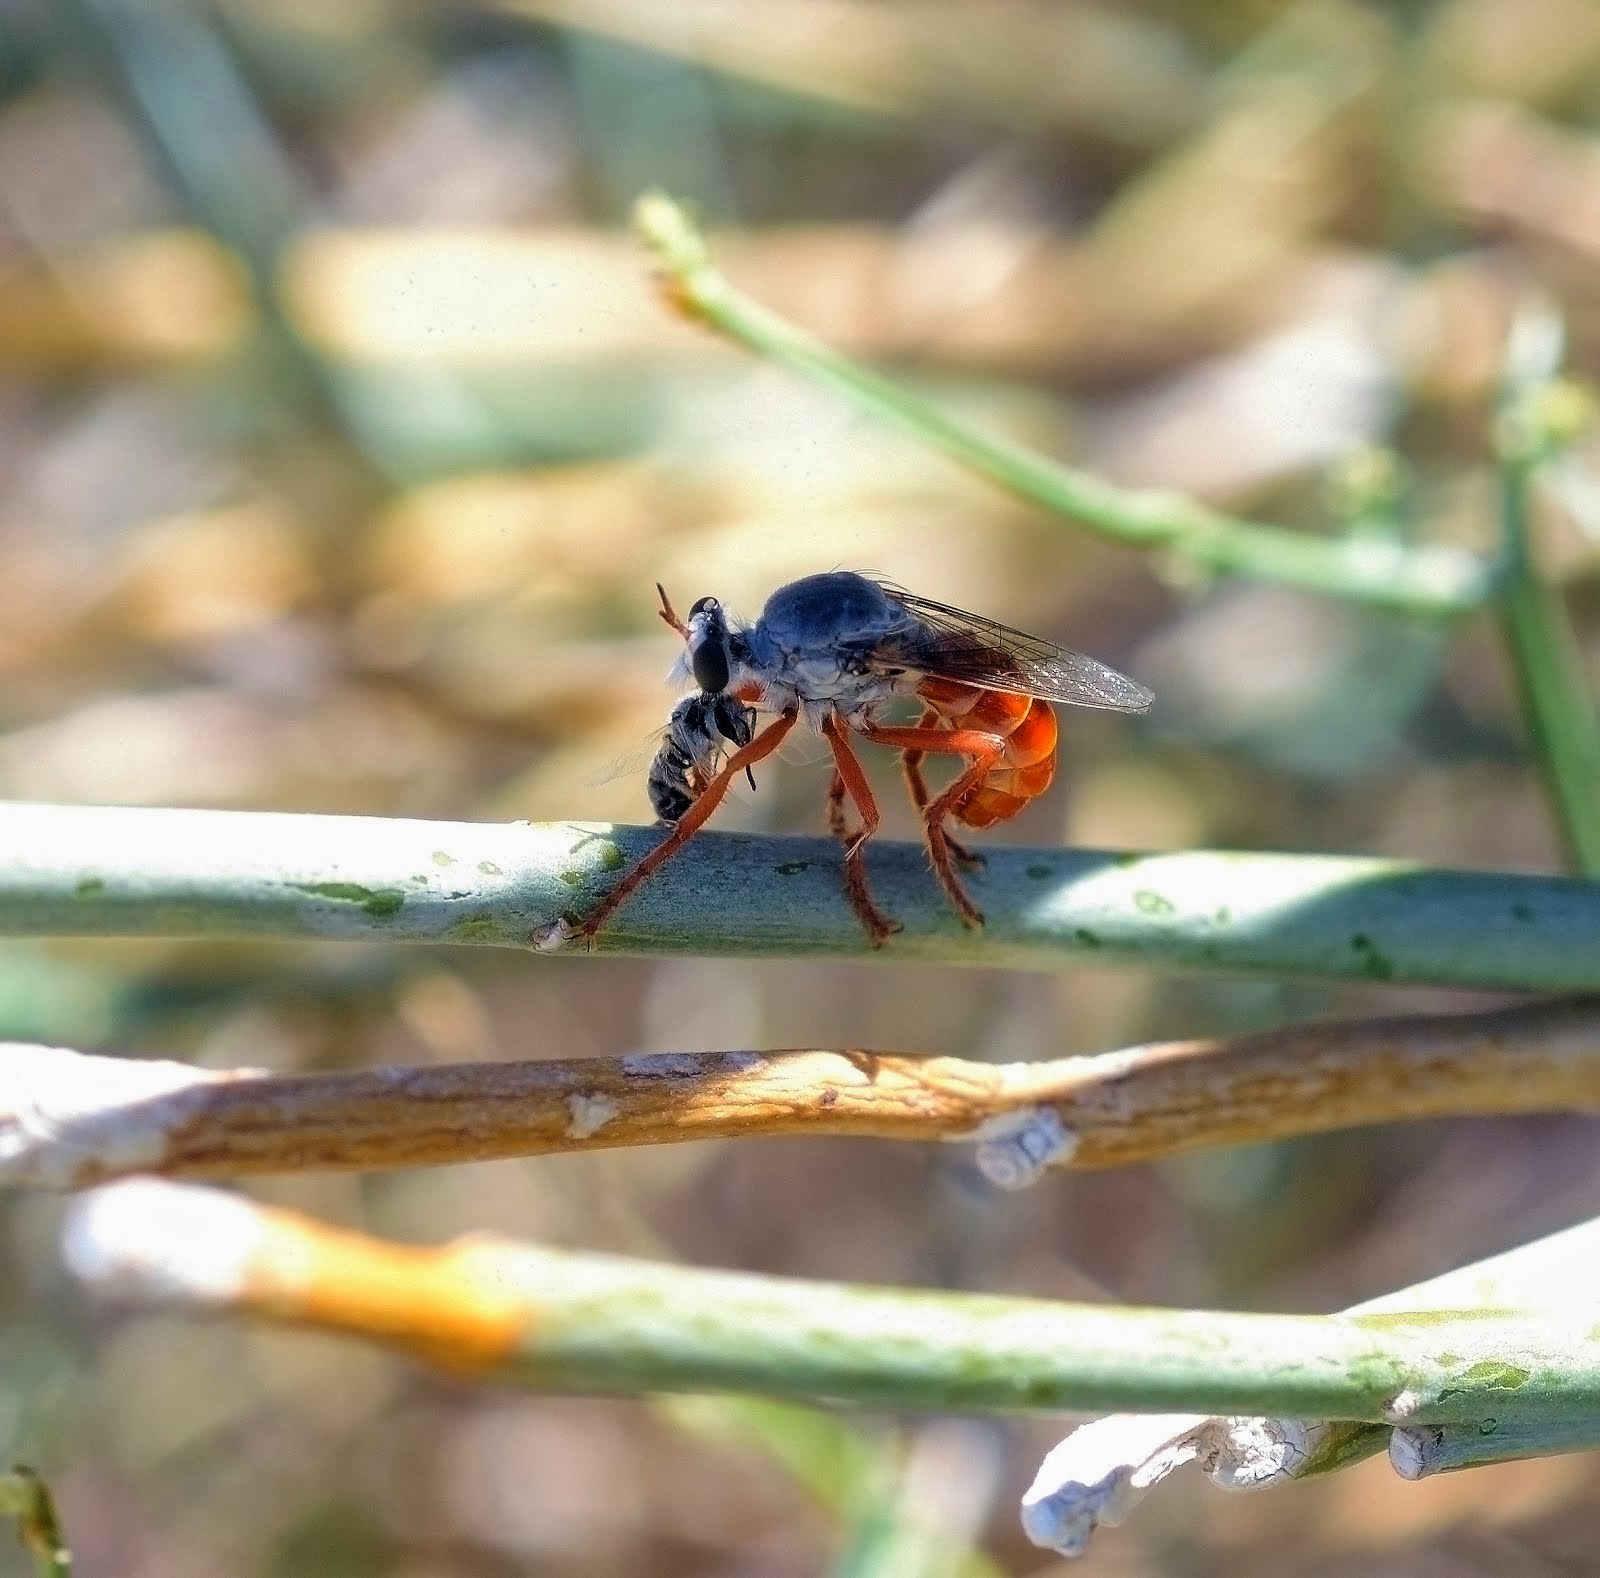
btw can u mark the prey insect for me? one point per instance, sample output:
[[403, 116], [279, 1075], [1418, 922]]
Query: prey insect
[[838, 651], [697, 733]]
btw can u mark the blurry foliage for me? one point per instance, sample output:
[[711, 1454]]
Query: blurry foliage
[[344, 439]]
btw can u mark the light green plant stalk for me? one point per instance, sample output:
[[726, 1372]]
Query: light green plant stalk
[[614, 1326], [1360, 567], [100, 871], [25, 1497]]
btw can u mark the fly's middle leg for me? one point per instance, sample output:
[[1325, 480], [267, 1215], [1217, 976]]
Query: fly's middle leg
[[849, 779]]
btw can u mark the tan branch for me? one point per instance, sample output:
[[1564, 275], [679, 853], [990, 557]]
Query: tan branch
[[68, 1119]]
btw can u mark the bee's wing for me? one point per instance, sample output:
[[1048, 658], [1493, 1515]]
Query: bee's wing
[[633, 763], [629, 763], [948, 643]]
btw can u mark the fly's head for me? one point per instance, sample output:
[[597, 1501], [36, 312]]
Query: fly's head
[[708, 646]]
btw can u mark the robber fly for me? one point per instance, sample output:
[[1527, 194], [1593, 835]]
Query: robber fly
[[837, 651]]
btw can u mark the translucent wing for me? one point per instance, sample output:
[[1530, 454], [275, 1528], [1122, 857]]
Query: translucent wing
[[636, 762], [629, 763], [949, 643]]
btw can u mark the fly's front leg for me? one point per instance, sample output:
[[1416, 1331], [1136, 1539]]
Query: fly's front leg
[[690, 823], [838, 825], [848, 778], [917, 788], [981, 750]]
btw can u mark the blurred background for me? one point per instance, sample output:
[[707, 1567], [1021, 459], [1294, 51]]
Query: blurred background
[[343, 437]]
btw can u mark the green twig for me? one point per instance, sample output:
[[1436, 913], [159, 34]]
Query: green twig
[[1360, 567], [25, 1497], [603, 1324], [100, 871]]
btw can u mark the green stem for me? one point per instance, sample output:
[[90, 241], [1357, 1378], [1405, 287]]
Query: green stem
[[604, 1324], [1549, 672], [1431, 581], [578, 1322], [100, 871]]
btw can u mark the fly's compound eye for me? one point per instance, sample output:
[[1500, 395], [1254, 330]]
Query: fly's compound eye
[[710, 665], [702, 605]]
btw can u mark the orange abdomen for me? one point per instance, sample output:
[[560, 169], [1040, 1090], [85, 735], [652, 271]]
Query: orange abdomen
[[1028, 764]]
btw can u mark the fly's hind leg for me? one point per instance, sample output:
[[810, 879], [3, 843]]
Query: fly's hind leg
[[848, 779], [917, 787]]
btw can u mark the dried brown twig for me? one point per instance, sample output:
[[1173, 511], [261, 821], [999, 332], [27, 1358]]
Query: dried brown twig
[[69, 1119]]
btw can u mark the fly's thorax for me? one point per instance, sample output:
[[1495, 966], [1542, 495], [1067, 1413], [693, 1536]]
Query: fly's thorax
[[839, 608], [812, 640]]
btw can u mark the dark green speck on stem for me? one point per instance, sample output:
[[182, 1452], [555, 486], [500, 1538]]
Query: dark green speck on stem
[[1521, 912], [90, 887], [379, 903], [1087, 938], [1038, 872], [1374, 961], [791, 868]]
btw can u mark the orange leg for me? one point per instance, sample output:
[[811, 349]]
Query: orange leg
[[763, 745], [981, 750], [836, 819], [916, 786], [849, 778]]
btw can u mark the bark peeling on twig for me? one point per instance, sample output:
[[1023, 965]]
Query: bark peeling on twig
[[69, 1119]]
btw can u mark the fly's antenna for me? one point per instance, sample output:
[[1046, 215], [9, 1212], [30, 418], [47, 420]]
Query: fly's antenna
[[667, 613]]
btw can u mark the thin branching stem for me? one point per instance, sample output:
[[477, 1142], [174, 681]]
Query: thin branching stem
[[604, 1324], [1556, 703], [69, 1119], [100, 871], [26, 1498], [1363, 568]]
